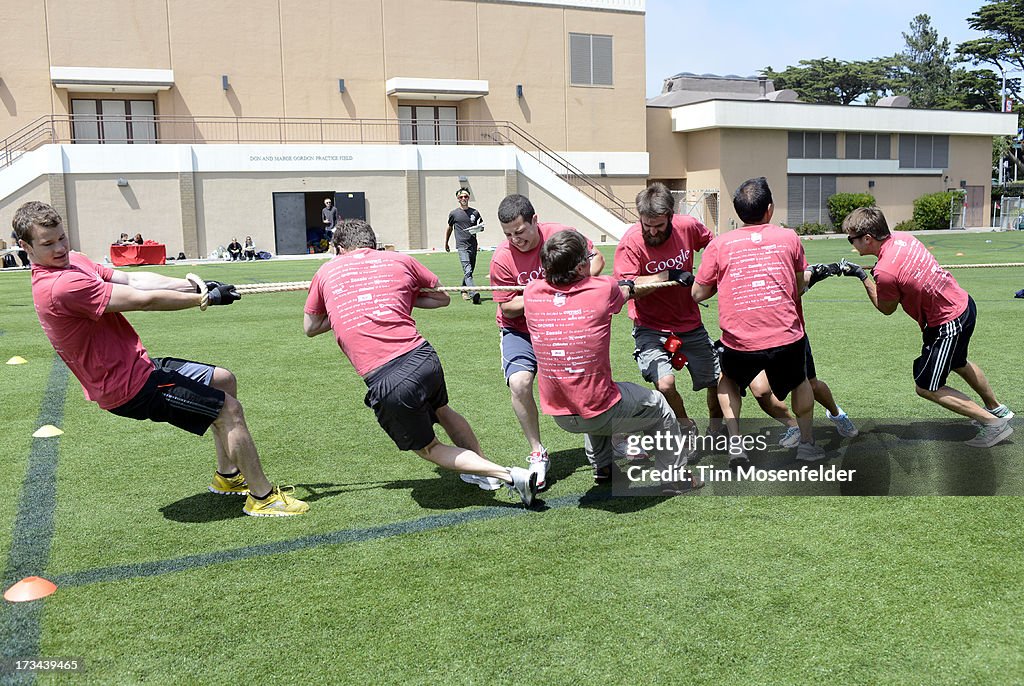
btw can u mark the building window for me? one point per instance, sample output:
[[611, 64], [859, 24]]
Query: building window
[[114, 121], [812, 145], [924, 152], [428, 125], [590, 60], [807, 199], [867, 146]]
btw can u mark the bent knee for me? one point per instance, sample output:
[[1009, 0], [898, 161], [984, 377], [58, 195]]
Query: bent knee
[[666, 385], [225, 381]]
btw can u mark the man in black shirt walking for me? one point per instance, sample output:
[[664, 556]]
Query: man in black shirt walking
[[463, 220]]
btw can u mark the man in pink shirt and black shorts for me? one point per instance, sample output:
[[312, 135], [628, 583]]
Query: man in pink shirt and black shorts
[[907, 274], [516, 262], [569, 315], [79, 304], [365, 296], [758, 272]]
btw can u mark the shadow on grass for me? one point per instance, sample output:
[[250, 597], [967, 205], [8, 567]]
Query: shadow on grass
[[203, 508], [448, 492], [212, 507]]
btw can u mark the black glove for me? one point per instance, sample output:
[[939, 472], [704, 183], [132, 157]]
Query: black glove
[[210, 285], [223, 294], [852, 269], [680, 276], [820, 272]]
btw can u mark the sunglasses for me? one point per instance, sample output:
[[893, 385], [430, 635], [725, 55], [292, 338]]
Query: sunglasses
[[853, 238]]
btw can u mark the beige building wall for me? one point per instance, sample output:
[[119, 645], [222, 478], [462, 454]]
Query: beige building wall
[[746, 154], [895, 195], [99, 211], [25, 92], [285, 60], [37, 190], [668, 150], [550, 209], [243, 204], [486, 191]]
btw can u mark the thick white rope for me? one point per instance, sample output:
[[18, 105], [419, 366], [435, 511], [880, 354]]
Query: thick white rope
[[304, 286], [286, 286]]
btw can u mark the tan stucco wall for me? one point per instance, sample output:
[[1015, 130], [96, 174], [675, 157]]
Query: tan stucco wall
[[37, 190], [551, 209], [99, 211], [667, 149], [894, 195], [243, 204], [747, 154], [971, 158], [438, 195], [285, 59]]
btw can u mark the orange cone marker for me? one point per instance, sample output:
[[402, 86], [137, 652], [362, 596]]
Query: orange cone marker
[[47, 431], [17, 359], [29, 588]]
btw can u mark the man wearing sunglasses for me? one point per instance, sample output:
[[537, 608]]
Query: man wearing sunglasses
[[907, 275], [464, 220]]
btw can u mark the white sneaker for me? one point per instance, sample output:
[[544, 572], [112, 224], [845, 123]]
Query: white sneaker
[[791, 438], [524, 484], [844, 426], [621, 448], [999, 411], [486, 483], [539, 462], [990, 434], [810, 452]]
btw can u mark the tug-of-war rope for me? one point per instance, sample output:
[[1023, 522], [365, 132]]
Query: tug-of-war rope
[[286, 286]]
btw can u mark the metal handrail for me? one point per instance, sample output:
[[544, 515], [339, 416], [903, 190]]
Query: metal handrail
[[60, 128]]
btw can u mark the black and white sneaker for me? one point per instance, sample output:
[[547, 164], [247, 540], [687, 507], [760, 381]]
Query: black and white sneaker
[[524, 484]]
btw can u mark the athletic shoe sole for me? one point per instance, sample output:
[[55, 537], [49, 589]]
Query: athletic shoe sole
[[990, 441]]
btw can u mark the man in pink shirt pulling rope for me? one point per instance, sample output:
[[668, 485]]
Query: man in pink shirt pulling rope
[[907, 275]]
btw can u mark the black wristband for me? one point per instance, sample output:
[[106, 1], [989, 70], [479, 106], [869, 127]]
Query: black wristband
[[631, 285]]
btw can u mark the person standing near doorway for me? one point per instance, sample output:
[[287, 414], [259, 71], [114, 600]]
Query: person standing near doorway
[[461, 220], [330, 217]]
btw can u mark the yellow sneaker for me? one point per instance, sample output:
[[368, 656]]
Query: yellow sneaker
[[278, 504], [228, 485]]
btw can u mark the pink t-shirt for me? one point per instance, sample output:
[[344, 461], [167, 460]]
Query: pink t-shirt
[[666, 309], [101, 350], [907, 272], [368, 297], [754, 268], [570, 327], [510, 267]]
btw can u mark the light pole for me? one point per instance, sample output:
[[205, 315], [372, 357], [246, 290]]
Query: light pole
[[1002, 109]]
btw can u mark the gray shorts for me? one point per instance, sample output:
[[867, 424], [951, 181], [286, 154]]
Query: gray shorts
[[517, 353], [655, 362]]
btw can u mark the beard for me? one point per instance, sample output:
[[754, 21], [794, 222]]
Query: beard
[[654, 241]]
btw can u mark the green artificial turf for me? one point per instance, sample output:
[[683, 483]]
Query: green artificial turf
[[403, 574]]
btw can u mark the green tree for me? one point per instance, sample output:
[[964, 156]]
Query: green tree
[[1003, 48], [923, 71], [828, 80]]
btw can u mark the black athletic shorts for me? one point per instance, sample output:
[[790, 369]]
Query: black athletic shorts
[[945, 348], [405, 394], [785, 366], [812, 373], [177, 392]]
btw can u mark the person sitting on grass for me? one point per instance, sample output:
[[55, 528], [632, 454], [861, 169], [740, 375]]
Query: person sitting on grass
[[235, 250], [79, 304], [907, 275], [365, 297]]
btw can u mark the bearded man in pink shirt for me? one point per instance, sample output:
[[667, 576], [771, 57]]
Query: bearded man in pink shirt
[[569, 315], [907, 275], [79, 304], [758, 272], [365, 296]]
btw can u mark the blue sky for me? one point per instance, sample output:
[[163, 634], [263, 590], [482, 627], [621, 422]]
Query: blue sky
[[741, 37]]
